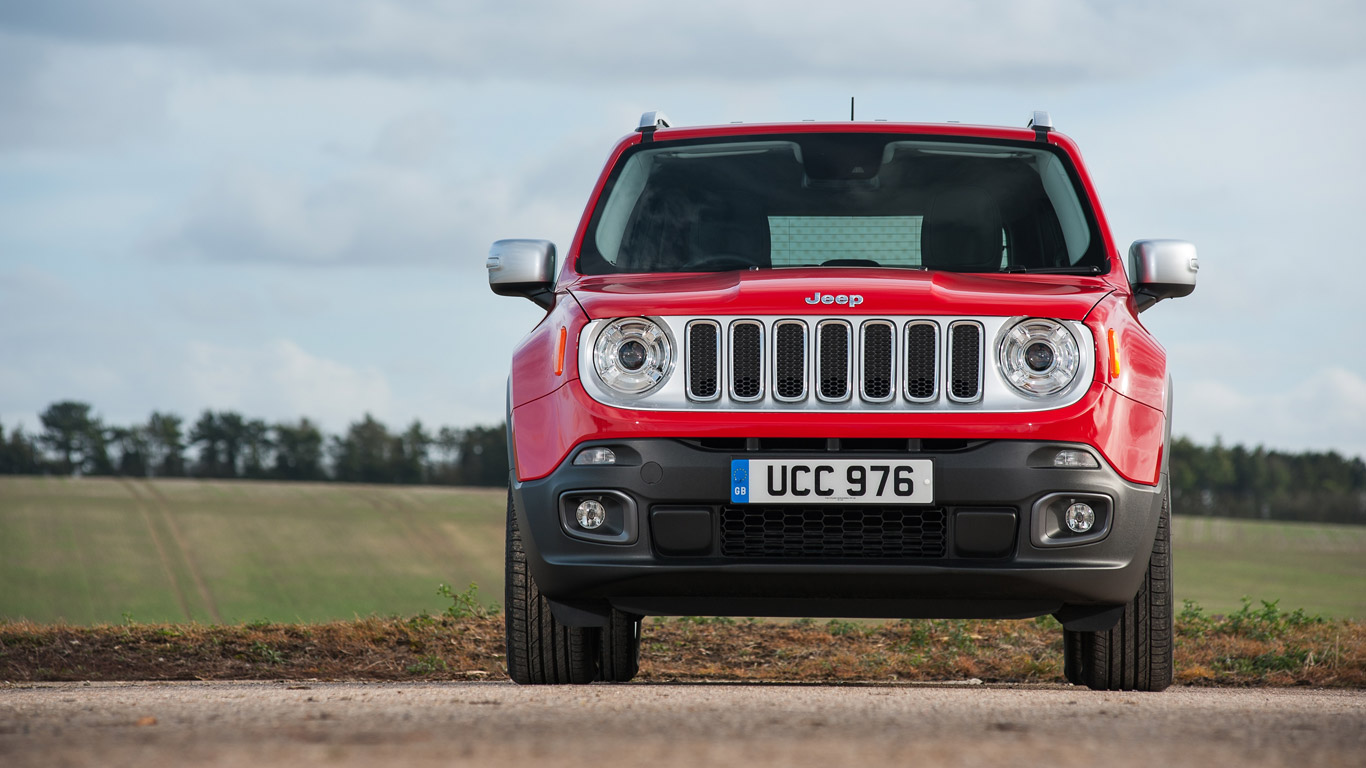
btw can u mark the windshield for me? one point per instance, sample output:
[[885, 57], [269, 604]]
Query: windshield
[[872, 200]]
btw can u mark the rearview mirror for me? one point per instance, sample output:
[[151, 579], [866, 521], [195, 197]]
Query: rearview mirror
[[1162, 269], [523, 268]]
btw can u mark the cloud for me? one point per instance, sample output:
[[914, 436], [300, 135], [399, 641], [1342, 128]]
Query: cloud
[[278, 381], [63, 95], [1056, 41], [1325, 408]]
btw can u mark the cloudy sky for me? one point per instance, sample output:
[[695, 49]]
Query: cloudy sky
[[282, 206]]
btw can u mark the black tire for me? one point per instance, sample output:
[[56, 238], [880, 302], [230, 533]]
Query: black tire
[[1136, 654], [540, 650], [620, 659]]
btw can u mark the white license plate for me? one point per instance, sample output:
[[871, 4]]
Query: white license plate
[[831, 481]]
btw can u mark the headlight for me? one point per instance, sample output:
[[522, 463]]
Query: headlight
[[1039, 357], [632, 355]]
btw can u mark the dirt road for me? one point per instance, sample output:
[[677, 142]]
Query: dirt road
[[346, 724]]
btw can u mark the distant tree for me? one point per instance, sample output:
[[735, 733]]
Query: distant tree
[[483, 456], [298, 451], [410, 455], [73, 434], [207, 434], [445, 465], [133, 447], [364, 454], [19, 454], [165, 445], [256, 448]]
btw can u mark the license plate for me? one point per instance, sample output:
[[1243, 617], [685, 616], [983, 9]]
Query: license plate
[[831, 481]]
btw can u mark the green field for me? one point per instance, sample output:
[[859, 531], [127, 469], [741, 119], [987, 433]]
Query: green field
[[92, 550], [89, 550]]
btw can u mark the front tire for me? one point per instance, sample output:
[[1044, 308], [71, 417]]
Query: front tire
[[541, 650], [620, 660], [1136, 654]]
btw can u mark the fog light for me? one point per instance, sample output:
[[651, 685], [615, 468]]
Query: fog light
[[595, 456], [1080, 517], [1075, 460], [591, 514]]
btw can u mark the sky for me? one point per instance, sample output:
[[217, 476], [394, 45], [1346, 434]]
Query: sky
[[282, 207]]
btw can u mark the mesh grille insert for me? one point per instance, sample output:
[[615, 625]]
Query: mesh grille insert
[[781, 531], [966, 367], [921, 358], [790, 361], [834, 373], [877, 361], [747, 360], [702, 360]]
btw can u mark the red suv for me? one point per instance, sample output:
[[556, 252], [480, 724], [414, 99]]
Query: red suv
[[840, 369]]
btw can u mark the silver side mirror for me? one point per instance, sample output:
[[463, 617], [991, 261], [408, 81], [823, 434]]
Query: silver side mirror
[[1162, 269], [523, 268]]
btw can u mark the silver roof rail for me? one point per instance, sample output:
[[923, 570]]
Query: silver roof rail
[[652, 120], [1042, 123]]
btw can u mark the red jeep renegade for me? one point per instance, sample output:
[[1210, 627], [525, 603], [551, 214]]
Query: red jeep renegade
[[840, 369]]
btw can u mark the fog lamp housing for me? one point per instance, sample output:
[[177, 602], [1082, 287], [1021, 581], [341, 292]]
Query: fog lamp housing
[[595, 456], [599, 515], [1075, 459], [1080, 517]]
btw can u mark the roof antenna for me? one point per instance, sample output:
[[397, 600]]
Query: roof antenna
[[851, 109]]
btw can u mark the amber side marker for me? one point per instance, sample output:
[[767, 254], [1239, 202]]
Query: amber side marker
[[564, 332], [1114, 354]]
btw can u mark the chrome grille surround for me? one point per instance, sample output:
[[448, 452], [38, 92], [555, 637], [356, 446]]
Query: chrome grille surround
[[797, 371], [833, 353], [964, 365], [874, 375], [704, 360], [921, 379]]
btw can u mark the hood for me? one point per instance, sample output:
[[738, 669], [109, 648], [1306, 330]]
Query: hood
[[854, 292]]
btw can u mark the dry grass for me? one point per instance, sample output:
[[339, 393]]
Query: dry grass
[[1253, 647]]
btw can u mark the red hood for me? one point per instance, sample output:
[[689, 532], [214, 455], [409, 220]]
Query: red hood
[[882, 292]]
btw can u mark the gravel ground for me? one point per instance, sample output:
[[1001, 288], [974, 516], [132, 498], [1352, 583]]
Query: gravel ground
[[487, 723]]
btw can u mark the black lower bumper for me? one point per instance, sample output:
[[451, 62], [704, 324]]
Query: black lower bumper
[[990, 544]]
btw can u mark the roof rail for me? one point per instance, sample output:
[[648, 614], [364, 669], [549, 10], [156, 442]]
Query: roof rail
[[1042, 123], [652, 120]]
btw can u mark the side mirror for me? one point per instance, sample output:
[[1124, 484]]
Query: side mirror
[[523, 268], [1162, 269]]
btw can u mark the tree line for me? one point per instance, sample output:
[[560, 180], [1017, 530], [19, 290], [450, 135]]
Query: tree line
[[226, 444], [1256, 483], [1215, 480]]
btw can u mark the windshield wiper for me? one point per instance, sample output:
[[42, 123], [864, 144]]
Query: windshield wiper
[[1020, 269]]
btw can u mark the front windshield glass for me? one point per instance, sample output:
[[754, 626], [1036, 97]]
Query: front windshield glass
[[871, 200]]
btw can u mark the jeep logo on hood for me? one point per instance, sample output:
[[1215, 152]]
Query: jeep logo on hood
[[852, 299]]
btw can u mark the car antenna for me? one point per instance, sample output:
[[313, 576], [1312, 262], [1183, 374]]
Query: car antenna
[[851, 109]]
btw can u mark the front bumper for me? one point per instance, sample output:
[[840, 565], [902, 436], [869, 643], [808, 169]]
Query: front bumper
[[997, 558]]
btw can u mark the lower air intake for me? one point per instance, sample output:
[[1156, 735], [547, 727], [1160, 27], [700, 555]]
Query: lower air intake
[[835, 531]]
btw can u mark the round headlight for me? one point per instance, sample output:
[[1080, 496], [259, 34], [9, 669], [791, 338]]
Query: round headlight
[[632, 355], [1039, 357]]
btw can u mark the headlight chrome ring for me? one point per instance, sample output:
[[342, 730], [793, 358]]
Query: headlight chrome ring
[[1039, 357], [633, 355]]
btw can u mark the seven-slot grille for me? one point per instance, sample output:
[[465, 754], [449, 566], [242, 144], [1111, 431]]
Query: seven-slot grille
[[834, 360]]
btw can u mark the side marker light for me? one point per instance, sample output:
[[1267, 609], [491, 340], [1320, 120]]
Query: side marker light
[[564, 333], [1114, 353]]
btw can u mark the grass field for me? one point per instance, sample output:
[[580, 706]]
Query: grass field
[[91, 550], [85, 551]]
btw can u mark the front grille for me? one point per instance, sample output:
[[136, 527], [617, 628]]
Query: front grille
[[747, 360], [704, 359], [781, 531], [922, 361], [879, 373], [789, 360], [965, 361], [833, 352], [833, 360]]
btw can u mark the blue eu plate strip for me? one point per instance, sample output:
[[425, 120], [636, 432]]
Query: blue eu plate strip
[[739, 481]]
